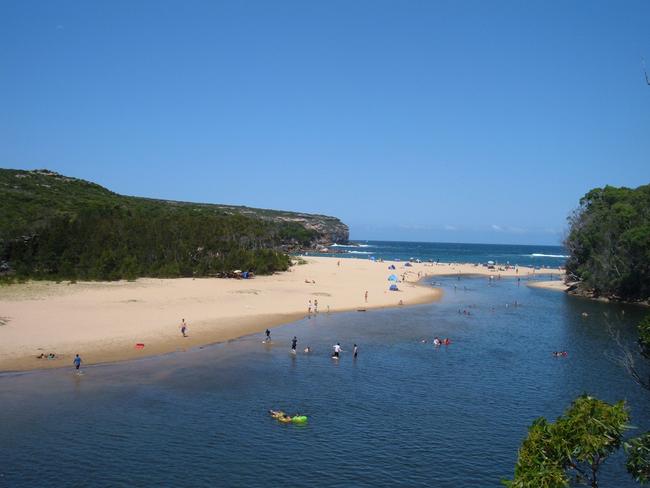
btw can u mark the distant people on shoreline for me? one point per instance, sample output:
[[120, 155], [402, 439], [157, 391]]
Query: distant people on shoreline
[[183, 327]]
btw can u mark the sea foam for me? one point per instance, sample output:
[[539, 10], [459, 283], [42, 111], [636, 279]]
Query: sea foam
[[539, 255]]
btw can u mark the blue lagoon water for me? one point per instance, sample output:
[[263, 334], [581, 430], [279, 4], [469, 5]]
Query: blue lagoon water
[[403, 414]]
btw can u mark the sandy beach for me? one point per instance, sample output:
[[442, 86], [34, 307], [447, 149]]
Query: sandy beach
[[103, 321], [556, 285]]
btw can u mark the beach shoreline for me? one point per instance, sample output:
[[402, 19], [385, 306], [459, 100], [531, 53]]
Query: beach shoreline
[[555, 285], [103, 321]]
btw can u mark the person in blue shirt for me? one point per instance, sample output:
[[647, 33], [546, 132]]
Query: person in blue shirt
[[77, 362]]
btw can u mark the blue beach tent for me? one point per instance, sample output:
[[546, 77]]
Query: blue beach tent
[[393, 287], [392, 278]]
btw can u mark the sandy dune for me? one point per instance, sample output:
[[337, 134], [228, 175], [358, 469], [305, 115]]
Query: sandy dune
[[104, 321]]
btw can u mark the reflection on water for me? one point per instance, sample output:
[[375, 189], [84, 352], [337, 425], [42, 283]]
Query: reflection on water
[[404, 413]]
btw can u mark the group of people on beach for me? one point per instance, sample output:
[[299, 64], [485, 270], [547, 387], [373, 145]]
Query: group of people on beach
[[313, 307]]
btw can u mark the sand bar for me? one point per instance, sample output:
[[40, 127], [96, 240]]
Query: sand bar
[[104, 321], [556, 285]]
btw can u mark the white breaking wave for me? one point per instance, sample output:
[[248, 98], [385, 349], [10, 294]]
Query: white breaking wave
[[359, 252], [539, 255], [351, 245]]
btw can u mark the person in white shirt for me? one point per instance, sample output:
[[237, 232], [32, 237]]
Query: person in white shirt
[[337, 350]]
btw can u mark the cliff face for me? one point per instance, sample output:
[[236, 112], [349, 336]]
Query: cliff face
[[329, 230]]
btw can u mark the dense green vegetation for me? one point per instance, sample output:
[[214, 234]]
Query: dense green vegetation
[[54, 227], [638, 458], [609, 243], [571, 449]]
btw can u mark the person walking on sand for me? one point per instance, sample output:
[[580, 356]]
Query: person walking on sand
[[294, 343], [366, 296], [315, 305], [309, 308], [77, 362], [183, 328]]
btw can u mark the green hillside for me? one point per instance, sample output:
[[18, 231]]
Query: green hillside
[[609, 244], [57, 227]]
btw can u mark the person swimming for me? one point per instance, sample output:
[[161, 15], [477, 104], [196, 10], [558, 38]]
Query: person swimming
[[436, 341]]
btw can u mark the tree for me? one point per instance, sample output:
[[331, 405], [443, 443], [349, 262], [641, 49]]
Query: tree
[[609, 243], [574, 447], [638, 457]]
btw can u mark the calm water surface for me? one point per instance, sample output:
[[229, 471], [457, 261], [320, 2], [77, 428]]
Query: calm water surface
[[403, 414]]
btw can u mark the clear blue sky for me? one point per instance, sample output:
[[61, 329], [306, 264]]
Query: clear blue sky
[[461, 121]]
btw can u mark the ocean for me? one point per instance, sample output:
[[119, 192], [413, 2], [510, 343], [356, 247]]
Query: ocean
[[523, 255], [404, 413]]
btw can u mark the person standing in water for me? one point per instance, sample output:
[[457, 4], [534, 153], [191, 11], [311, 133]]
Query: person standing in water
[[355, 351], [268, 335], [294, 343], [77, 362], [337, 350]]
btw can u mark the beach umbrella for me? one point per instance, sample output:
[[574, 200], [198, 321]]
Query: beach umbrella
[[392, 278]]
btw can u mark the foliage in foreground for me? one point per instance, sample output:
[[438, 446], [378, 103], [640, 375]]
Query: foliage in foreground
[[609, 243], [573, 448], [638, 458]]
